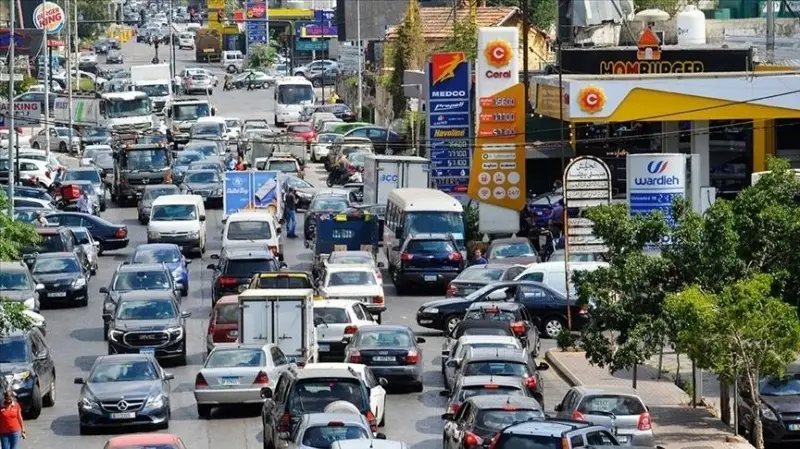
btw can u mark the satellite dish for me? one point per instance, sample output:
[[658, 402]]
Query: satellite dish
[[652, 15]]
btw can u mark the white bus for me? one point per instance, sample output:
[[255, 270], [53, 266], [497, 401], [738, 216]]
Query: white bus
[[292, 94], [421, 211]]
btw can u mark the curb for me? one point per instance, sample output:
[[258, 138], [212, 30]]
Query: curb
[[571, 378]]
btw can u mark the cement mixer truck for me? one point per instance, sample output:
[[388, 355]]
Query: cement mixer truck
[[207, 45]]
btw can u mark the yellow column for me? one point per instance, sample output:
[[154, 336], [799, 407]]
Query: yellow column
[[763, 143]]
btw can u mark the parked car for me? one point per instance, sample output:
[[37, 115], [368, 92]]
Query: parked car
[[28, 370]]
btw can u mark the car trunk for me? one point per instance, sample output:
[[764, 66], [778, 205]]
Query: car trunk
[[231, 377], [384, 356], [623, 425], [464, 288], [424, 260]]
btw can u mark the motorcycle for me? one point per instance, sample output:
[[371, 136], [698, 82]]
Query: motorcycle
[[340, 177]]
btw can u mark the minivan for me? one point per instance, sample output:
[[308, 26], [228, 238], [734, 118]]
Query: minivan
[[252, 227], [553, 275], [233, 61], [178, 219]]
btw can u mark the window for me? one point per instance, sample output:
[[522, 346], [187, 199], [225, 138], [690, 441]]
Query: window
[[236, 358], [278, 358], [499, 368], [321, 437], [534, 276], [246, 268], [616, 404], [430, 246], [600, 437], [203, 177], [376, 133], [146, 310], [27, 166], [514, 272], [331, 315], [345, 278], [227, 314], [576, 441], [14, 281], [384, 339], [249, 230], [53, 266]]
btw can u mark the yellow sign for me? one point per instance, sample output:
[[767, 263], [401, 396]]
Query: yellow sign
[[547, 100], [215, 4], [591, 99], [291, 13]]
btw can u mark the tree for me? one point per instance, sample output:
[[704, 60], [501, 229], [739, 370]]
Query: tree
[[14, 236], [670, 6], [464, 39], [743, 330], [89, 10], [408, 53], [261, 56], [544, 14]]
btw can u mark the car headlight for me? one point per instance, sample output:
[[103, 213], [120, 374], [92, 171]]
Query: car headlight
[[17, 379], [432, 310], [176, 333], [87, 403], [767, 413], [153, 235], [79, 283], [218, 192], [30, 303], [193, 234], [177, 272], [115, 335], [108, 306], [155, 401]]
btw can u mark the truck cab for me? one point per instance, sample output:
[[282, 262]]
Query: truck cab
[[181, 114], [139, 165], [155, 81]]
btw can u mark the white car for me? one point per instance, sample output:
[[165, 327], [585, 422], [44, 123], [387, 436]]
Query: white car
[[234, 126], [5, 137], [252, 227], [90, 151], [336, 321], [321, 146], [90, 246], [377, 394], [87, 57], [37, 203], [186, 40], [354, 282], [355, 258], [32, 168], [40, 155], [198, 71], [285, 165]]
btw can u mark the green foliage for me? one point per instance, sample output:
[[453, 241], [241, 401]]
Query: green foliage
[[464, 39], [14, 236], [408, 52], [89, 10], [351, 82], [19, 86], [566, 340], [261, 56], [543, 13], [670, 6], [471, 222]]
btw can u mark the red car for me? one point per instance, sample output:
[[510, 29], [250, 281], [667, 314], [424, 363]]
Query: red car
[[303, 130], [223, 326]]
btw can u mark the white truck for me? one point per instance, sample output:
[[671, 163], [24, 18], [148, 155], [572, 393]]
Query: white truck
[[284, 317], [126, 113], [181, 114], [382, 174], [155, 81]]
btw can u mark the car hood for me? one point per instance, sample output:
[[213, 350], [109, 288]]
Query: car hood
[[783, 404], [445, 302], [525, 260], [16, 295], [349, 291], [112, 391], [203, 186], [14, 367], [57, 278], [145, 325]]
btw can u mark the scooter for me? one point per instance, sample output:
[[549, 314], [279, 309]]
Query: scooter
[[339, 176]]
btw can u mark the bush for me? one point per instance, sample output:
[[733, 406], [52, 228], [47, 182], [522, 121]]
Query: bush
[[566, 340]]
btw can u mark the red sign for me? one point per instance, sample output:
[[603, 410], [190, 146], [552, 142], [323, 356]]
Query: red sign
[[256, 10]]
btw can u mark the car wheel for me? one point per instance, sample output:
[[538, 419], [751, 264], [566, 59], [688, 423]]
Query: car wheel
[[204, 411], [451, 323], [552, 326], [316, 83], [35, 145], [182, 359], [85, 301], [36, 404], [84, 430], [417, 387], [49, 399]]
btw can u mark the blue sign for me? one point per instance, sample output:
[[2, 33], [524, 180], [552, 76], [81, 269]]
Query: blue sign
[[654, 182], [257, 27], [309, 45], [314, 29], [238, 191], [250, 190], [265, 188], [449, 121], [325, 17]]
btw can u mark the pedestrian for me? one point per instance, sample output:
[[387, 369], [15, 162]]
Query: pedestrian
[[12, 428], [85, 204], [290, 211], [477, 258], [333, 98], [240, 165], [41, 221], [231, 162], [250, 78], [176, 84]]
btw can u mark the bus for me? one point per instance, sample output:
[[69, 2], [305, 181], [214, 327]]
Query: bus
[[292, 94]]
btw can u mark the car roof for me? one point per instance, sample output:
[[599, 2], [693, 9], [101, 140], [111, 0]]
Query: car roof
[[491, 266], [49, 230], [142, 295], [148, 246], [335, 254], [255, 346], [140, 439], [80, 182], [368, 444], [357, 367], [431, 236], [201, 170], [496, 401], [327, 373], [82, 169], [385, 327], [249, 252], [227, 299], [9, 265], [596, 390], [334, 303], [500, 354], [56, 255], [504, 381], [315, 419], [510, 240], [251, 215], [551, 428], [473, 339], [121, 357], [141, 267]]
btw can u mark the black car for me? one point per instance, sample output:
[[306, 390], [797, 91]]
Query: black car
[[525, 327], [206, 183], [303, 190], [28, 370], [470, 386], [92, 175], [236, 266], [324, 202], [56, 240], [392, 352], [111, 236], [124, 390], [480, 417], [29, 192], [340, 110], [65, 279], [96, 136], [114, 57], [137, 277], [427, 260], [503, 362], [541, 301], [780, 407], [101, 47], [383, 140], [148, 322], [327, 77], [105, 164], [478, 276]]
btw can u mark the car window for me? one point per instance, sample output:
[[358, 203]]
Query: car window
[[481, 274], [488, 390], [430, 246], [383, 338], [331, 315], [246, 268], [141, 280], [533, 276], [134, 371], [53, 266], [495, 368], [600, 437], [249, 230], [355, 278], [14, 280], [236, 358], [157, 255], [617, 404], [358, 309], [321, 437], [146, 310], [278, 357], [496, 420], [227, 314]]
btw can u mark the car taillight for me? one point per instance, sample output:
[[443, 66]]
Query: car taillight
[[454, 408], [645, 423], [578, 416], [354, 357], [225, 280], [261, 379], [405, 257], [471, 440], [451, 289], [377, 299], [456, 256], [531, 383], [211, 326], [518, 328], [373, 423], [350, 330], [123, 181], [121, 233], [283, 424], [412, 358], [200, 381]]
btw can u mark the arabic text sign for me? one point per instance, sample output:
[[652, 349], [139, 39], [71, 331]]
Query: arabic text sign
[[587, 183]]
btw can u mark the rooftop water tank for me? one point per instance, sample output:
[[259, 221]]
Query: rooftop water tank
[[691, 24]]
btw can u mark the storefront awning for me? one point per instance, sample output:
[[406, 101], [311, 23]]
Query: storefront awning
[[657, 98]]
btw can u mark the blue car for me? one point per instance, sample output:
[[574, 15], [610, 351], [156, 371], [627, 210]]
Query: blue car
[[181, 164], [170, 255]]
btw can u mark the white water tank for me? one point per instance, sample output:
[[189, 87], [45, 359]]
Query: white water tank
[[691, 24]]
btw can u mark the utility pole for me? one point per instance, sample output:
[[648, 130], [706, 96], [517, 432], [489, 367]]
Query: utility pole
[[46, 66], [360, 60], [70, 87], [12, 133], [171, 46], [771, 31]]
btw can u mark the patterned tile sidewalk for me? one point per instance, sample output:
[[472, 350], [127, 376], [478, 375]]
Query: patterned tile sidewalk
[[677, 425]]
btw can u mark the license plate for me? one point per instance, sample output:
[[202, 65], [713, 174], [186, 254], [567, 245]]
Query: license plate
[[57, 294], [229, 381], [430, 278], [123, 415], [622, 438], [150, 351], [794, 427], [383, 358], [325, 348]]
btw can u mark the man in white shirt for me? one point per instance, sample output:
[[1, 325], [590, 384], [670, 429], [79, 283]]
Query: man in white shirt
[[85, 204], [176, 85]]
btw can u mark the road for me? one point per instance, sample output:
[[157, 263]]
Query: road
[[75, 335]]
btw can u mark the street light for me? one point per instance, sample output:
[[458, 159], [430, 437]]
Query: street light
[[414, 131]]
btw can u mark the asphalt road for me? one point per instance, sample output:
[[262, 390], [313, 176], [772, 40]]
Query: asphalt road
[[75, 335]]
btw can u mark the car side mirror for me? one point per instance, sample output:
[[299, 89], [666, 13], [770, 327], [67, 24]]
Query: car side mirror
[[380, 436], [215, 256], [447, 416], [211, 266], [453, 363], [202, 218], [79, 381], [96, 244], [383, 382], [543, 366], [40, 287], [266, 393], [84, 241], [421, 340], [558, 407], [104, 290], [169, 376], [186, 314]]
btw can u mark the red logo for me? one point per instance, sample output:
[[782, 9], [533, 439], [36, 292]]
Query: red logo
[[444, 65], [258, 10]]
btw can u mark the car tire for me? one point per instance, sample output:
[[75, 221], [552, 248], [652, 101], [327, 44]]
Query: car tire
[[552, 326], [62, 147], [85, 301], [185, 292], [49, 399], [182, 359], [204, 411], [36, 404], [450, 324], [417, 387], [35, 146], [84, 430]]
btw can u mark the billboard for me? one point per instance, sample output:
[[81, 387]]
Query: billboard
[[654, 181], [27, 42], [257, 27], [449, 124], [251, 190]]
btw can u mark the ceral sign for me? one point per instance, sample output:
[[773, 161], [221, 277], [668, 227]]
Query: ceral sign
[[26, 111], [587, 183]]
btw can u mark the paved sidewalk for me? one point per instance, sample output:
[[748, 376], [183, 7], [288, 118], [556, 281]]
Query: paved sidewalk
[[677, 425]]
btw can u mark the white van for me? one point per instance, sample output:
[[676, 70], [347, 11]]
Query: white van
[[178, 219], [553, 275], [232, 61], [252, 227], [292, 94]]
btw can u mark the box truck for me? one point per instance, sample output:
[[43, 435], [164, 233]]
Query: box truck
[[382, 174]]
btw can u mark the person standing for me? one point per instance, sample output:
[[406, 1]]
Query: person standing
[[41, 221], [477, 258], [85, 204], [176, 84], [290, 208], [12, 427], [240, 165]]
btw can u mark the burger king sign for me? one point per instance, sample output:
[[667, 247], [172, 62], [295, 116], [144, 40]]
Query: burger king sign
[[49, 17]]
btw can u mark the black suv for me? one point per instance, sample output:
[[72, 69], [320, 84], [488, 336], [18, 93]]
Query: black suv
[[236, 266], [148, 322], [325, 202], [56, 240], [29, 370], [426, 260], [138, 277], [310, 390]]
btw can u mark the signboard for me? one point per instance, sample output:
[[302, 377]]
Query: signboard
[[309, 45], [25, 111], [256, 25], [654, 181], [49, 17], [497, 179], [250, 190], [587, 183], [314, 29], [349, 58], [27, 42], [449, 124]]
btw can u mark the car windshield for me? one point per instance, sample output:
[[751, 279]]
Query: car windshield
[[466, 347], [148, 446], [13, 350], [295, 94], [331, 315], [430, 246], [53, 266], [201, 78], [256, 124], [186, 159], [498, 419], [154, 90], [488, 390], [204, 166], [545, 199], [188, 112], [174, 212], [513, 441], [50, 243], [516, 249], [236, 358], [313, 395], [788, 385], [207, 129], [435, 223], [249, 230], [283, 166], [298, 129], [246, 268], [64, 132], [480, 273], [82, 234], [152, 138], [118, 108], [233, 123], [490, 314], [145, 159], [157, 255], [327, 138], [328, 204], [384, 339], [355, 278], [358, 158], [151, 194], [619, 405], [498, 368], [155, 309], [227, 314], [103, 159], [202, 178], [323, 437], [142, 280], [82, 175], [132, 371], [96, 132], [351, 259], [14, 280]]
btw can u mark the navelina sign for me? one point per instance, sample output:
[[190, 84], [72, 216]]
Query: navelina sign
[[624, 61]]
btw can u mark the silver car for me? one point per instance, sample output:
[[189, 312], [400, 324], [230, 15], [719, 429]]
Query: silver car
[[90, 246], [151, 192], [235, 374], [620, 410], [320, 430], [59, 140], [198, 83]]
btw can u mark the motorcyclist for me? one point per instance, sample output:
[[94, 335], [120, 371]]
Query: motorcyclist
[[230, 163], [227, 84], [240, 165]]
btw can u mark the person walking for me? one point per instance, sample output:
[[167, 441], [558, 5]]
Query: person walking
[[250, 78], [12, 428], [477, 258], [41, 221], [240, 165], [85, 204], [290, 210], [176, 84]]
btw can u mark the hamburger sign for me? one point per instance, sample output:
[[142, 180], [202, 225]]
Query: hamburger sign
[[49, 17]]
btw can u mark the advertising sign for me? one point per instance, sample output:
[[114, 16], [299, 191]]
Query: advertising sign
[[587, 183], [313, 29], [27, 42], [257, 27], [309, 45], [654, 181], [26, 112], [49, 17], [449, 125], [251, 190], [497, 178]]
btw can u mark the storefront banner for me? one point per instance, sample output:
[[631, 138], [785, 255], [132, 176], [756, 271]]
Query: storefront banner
[[449, 123], [654, 182]]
